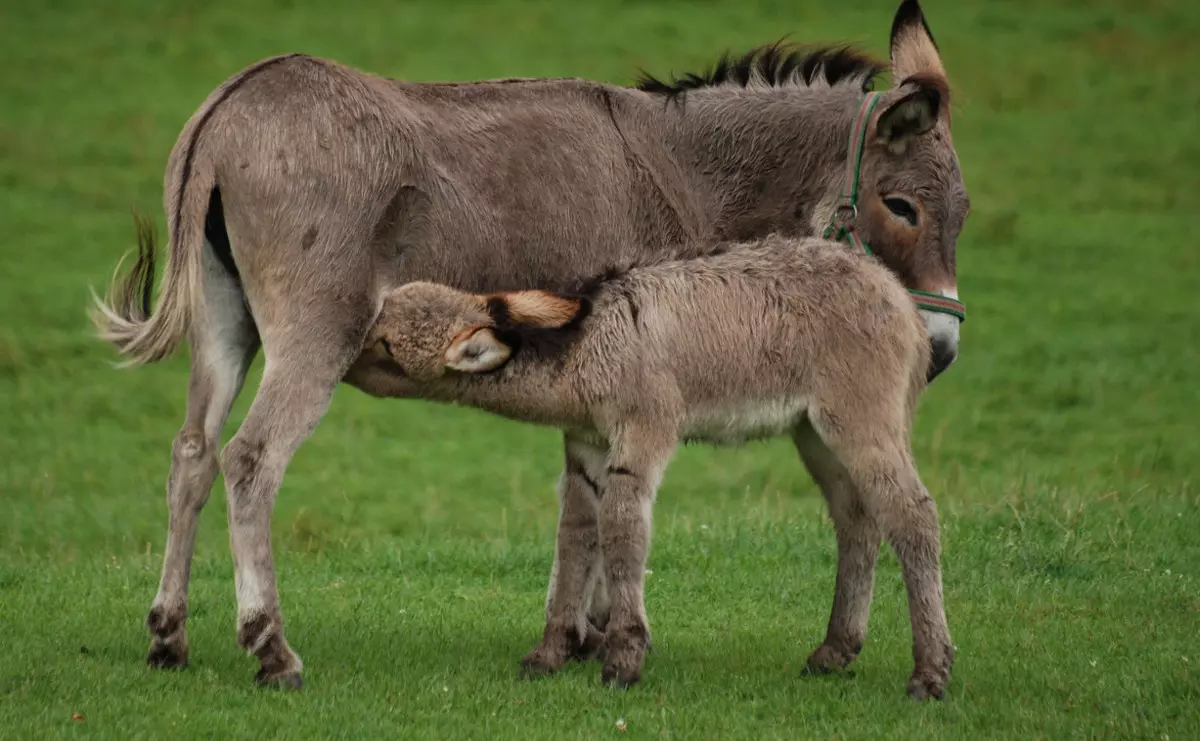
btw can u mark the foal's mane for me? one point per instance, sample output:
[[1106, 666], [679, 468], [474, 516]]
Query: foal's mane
[[775, 65], [590, 287]]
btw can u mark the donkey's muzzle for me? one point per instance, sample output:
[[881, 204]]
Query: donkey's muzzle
[[943, 354]]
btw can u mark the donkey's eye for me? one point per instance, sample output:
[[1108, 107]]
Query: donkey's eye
[[903, 208]]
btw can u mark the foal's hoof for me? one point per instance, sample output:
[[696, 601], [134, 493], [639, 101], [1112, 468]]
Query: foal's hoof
[[623, 661], [284, 681], [619, 677], [535, 666], [546, 658], [923, 686], [166, 656]]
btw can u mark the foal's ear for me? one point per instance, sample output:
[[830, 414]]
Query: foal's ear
[[909, 117], [476, 350], [539, 309]]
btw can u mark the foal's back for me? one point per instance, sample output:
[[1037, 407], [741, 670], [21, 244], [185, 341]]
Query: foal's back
[[765, 321]]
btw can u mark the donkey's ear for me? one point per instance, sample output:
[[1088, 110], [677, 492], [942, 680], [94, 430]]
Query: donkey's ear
[[540, 309], [476, 350], [913, 50], [907, 118]]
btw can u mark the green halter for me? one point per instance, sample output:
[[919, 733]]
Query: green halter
[[842, 227]]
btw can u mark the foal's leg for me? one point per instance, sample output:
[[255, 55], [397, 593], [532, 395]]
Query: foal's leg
[[910, 521], [858, 540], [568, 632], [881, 467], [636, 464], [599, 605], [223, 342]]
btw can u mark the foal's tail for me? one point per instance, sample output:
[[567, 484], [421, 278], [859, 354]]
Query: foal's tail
[[125, 317]]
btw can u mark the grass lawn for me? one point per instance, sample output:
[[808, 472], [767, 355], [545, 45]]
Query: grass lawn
[[414, 541]]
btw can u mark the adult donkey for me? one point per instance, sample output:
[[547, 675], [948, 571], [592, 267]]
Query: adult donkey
[[302, 190]]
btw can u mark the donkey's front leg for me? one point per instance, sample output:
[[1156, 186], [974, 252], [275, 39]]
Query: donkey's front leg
[[295, 393], [568, 633], [636, 465]]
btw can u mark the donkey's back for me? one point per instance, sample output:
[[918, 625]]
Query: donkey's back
[[480, 185]]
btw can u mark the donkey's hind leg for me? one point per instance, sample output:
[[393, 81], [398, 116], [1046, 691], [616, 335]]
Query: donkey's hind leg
[[880, 465], [223, 342], [306, 359], [858, 540]]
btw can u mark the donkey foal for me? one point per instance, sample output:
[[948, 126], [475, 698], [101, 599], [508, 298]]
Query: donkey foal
[[772, 337]]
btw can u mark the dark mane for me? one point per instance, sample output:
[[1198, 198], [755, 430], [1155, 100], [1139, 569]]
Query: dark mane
[[551, 344], [776, 65], [590, 287]]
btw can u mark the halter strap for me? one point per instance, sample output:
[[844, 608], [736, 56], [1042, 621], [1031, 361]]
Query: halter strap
[[842, 227]]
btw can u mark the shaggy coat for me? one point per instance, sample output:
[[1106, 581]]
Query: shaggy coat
[[777, 337]]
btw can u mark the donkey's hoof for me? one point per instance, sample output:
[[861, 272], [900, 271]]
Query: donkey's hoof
[[167, 656], [168, 640], [923, 686], [284, 681], [826, 660]]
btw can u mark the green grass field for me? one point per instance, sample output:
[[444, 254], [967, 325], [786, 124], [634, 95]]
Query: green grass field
[[414, 541]]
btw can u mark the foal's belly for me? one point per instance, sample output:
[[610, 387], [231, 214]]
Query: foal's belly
[[737, 423]]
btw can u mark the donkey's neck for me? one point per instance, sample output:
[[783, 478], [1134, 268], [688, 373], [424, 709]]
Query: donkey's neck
[[771, 158]]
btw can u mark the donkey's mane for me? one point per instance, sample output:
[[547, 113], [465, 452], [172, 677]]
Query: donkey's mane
[[775, 65]]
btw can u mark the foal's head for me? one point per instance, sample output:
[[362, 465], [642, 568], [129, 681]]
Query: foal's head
[[428, 328]]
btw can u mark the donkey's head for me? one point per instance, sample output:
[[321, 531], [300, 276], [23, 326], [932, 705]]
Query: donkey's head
[[767, 132], [429, 328], [911, 198]]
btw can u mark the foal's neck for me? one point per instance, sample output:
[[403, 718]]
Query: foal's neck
[[532, 387]]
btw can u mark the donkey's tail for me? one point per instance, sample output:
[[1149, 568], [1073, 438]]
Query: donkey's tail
[[124, 318]]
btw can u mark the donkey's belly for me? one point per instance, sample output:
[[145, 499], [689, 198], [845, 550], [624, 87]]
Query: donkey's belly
[[737, 423]]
